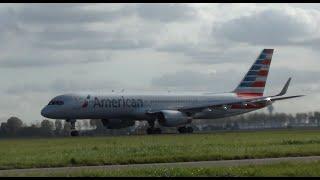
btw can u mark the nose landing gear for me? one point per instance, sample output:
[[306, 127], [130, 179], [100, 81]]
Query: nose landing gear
[[74, 132]]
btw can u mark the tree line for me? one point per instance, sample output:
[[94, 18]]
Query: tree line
[[264, 120], [14, 127]]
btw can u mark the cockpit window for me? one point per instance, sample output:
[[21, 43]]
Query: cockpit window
[[56, 102]]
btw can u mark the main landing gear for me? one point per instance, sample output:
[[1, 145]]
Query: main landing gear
[[152, 129], [185, 129], [74, 132]]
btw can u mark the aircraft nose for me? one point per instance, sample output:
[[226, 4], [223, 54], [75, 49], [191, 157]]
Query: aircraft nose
[[44, 112]]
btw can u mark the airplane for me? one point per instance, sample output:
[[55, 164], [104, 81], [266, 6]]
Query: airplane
[[168, 110]]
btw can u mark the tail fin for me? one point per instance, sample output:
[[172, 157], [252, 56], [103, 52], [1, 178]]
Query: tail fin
[[254, 81]]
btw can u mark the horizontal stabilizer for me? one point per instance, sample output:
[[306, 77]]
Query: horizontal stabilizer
[[282, 98]]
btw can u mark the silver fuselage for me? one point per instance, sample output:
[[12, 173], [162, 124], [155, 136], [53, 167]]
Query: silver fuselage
[[136, 107]]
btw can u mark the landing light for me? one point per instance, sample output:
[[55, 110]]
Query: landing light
[[225, 107]]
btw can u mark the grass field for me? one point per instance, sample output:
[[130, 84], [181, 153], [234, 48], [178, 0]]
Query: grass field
[[54, 152], [279, 169]]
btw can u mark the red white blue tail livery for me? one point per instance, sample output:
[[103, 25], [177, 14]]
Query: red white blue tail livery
[[254, 81]]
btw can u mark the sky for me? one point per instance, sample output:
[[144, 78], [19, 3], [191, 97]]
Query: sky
[[51, 49]]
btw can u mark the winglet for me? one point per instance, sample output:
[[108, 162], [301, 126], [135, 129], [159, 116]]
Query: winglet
[[285, 88]]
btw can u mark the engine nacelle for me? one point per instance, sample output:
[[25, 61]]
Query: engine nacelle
[[117, 123], [172, 118]]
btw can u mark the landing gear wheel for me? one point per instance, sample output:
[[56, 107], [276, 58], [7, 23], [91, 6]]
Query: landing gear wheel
[[74, 133], [152, 129], [184, 130], [189, 129], [73, 127]]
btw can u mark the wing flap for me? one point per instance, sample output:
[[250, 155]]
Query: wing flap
[[225, 103]]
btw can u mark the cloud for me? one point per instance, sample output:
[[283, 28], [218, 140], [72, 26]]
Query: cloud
[[25, 62], [232, 41], [91, 40], [209, 54], [166, 12], [268, 27], [30, 58], [63, 27], [70, 13], [61, 85], [313, 43], [10, 29], [64, 86], [226, 81], [65, 14], [191, 80], [303, 82]]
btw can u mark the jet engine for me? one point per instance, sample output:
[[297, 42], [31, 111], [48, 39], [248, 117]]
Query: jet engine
[[117, 123], [172, 118]]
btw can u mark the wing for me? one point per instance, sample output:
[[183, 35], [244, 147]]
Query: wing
[[244, 102], [252, 101], [224, 104]]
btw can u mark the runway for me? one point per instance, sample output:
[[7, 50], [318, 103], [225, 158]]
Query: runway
[[223, 163]]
